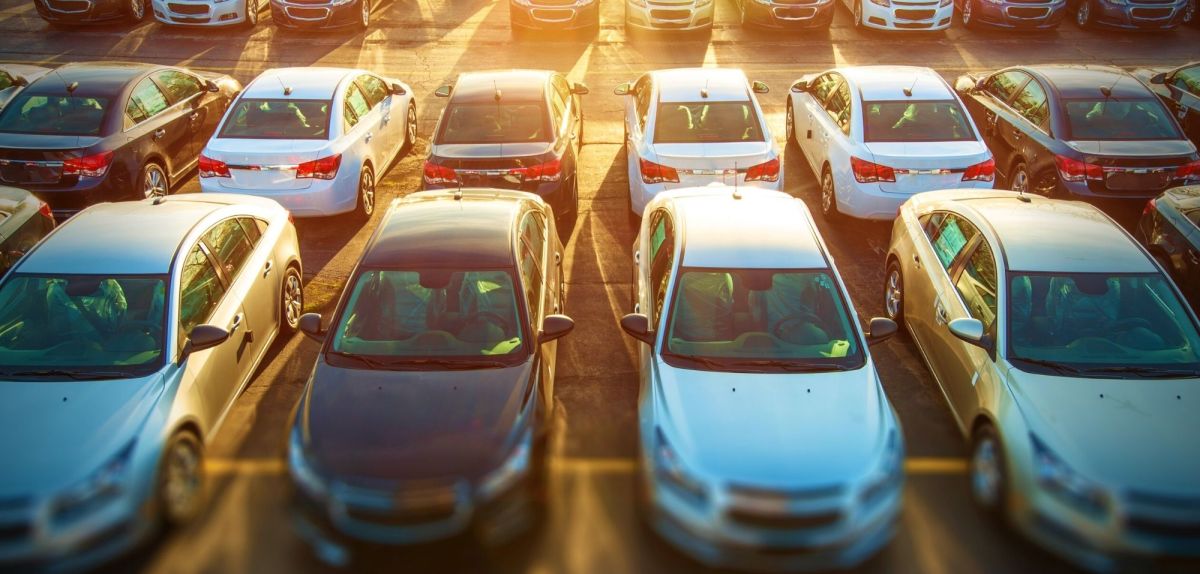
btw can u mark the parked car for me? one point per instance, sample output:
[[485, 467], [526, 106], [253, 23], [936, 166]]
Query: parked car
[[512, 129], [668, 15], [1189, 14], [1129, 14], [1012, 14], [875, 135], [1091, 132], [127, 333], [91, 11], [786, 14], [322, 14], [430, 406], [314, 139], [747, 325], [1063, 352], [901, 15], [690, 127], [14, 78], [1179, 89], [1170, 230], [24, 221], [526, 15], [243, 13], [94, 132]]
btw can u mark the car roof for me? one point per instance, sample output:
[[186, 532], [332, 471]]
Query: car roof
[[1085, 81], [434, 228], [305, 83], [94, 78], [1183, 198], [16, 205], [756, 229], [514, 86], [685, 85], [889, 82]]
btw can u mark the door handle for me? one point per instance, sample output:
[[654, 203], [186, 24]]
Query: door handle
[[267, 269], [159, 133], [1193, 257], [368, 138], [237, 322], [194, 116], [939, 313], [808, 135], [917, 259], [387, 118]]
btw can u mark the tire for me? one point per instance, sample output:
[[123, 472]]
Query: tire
[[893, 292], [967, 15], [179, 488], [291, 301], [135, 10], [790, 122], [829, 208], [364, 20], [365, 206], [988, 472], [410, 133], [1021, 180], [1084, 16], [1189, 13], [153, 181], [859, 18], [253, 7]]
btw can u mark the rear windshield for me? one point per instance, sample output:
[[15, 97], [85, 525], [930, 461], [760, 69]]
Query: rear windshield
[[508, 122], [905, 121], [702, 122], [1092, 120], [54, 115], [278, 119]]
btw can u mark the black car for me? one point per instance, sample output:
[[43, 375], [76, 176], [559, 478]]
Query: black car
[[1170, 230], [572, 15], [786, 14], [429, 408], [519, 129], [322, 14], [24, 221], [94, 132], [89, 11], [1129, 14], [1090, 132], [1179, 89]]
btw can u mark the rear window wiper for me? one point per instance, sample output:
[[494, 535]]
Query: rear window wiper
[[1147, 372], [77, 375]]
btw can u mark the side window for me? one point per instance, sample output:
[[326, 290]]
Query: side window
[[1030, 102], [230, 245], [6, 81], [662, 255], [822, 86], [977, 283], [561, 88], [950, 237], [532, 245], [145, 102], [1003, 85], [252, 229], [642, 100], [178, 85], [200, 290], [558, 110], [374, 89], [1188, 80], [356, 106], [838, 107]]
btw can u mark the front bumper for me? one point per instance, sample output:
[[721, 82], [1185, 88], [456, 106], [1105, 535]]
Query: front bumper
[[914, 17], [79, 11], [43, 546], [310, 16], [654, 16], [1020, 16], [324, 197], [582, 14], [184, 13], [1138, 16], [790, 16]]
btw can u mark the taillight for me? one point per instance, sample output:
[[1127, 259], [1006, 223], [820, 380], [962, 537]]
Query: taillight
[[657, 173], [436, 174], [548, 171], [985, 171], [1151, 206], [768, 171], [869, 172], [1074, 170], [324, 168], [291, 218], [210, 167], [1188, 171], [95, 165], [44, 209]]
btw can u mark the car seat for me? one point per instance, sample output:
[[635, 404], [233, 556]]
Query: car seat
[[1074, 314], [705, 308]]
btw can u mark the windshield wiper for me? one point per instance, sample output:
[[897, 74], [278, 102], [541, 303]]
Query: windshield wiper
[[705, 361], [77, 375], [1060, 368], [369, 362], [794, 366], [1146, 372], [448, 364]]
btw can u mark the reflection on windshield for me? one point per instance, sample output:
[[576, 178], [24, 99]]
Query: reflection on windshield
[[81, 323], [1113, 119], [278, 119], [511, 122], [700, 122], [935, 121], [754, 318], [54, 115]]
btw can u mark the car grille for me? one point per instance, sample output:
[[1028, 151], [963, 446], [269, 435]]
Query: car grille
[[795, 2], [671, 14], [1130, 181], [1151, 13], [407, 505], [552, 2], [785, 521], [553, 15], [189, 9], [1160, 2], [69, 5], [1025, 12], [795, 13], [914, 14], [15, 533], [400, 518], [1163, 528], [308, 13], [309, 2], [1028, 2], [780, 509], [913, 25]]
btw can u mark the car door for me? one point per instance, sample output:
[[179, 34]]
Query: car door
[[811, 117], [946, 235], [252, 279], [975, 292], [989, 107], [202, 300], [531, 248], [572, 113], [637, 116], [1188, 277], [187, 92], [157, 128], [361, 127], [391, 129], [1027, 134], [655, 260]]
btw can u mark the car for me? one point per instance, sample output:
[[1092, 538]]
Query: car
[[1063, 352], [1179, 89], [1129, 14], [92, 132], [322, 14], [127, 334], [429, 410], [1011, 14], [1170, 230], [641, 15], [901, 15], [786, 14], [317, 140], [244, 13], [70, 12], [747, 325], [24, 221], [14, 78], [573, 15], [1090, 132], [875, 135], [1189, 14], [690, 127], [510, 129]]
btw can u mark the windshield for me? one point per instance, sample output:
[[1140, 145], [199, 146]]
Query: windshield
[[54, 115], [1113, 119], [703, 122], [81, 325], [1096, 323], [278, 119], [465, 315], [933, 121], [504, 122], [760, 320]]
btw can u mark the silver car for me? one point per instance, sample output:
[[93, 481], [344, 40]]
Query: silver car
[[125, 336], [766, 440], [1069, 361]]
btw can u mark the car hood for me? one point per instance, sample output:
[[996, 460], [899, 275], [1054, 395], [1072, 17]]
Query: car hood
[[411, 425], [55, 433], [793, 430], [14, 141], [1125, 433], [496, 150], [1134, 148]]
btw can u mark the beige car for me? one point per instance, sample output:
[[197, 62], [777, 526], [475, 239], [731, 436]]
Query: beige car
[[1070, 363]]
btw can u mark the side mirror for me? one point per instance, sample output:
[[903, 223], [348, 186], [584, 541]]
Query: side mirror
[[1160, 78], [623, 89], [211, 86], [965, 84], [800, 87], [880, 329], [760, 87], [398, 90], [20, 81], [637, 326], [203, 337], [443, 92], [555, 327], [971, 331], [579, 89], [310, 325]]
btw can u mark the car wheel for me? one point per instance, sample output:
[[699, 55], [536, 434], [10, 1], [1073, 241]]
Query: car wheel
[[1018, 180], [1189, 13], [410, 134], [291, 300], [365, 20], [1083, 14], [989, 487], [136, 10], [180, 489], [791, 123], [967, 14], [858, 15], [829, 206], [154, 181], [252, 9], [893, 293], [366, 194]]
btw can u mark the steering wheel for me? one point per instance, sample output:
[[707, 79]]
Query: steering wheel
[[488, 316], [151, 328]]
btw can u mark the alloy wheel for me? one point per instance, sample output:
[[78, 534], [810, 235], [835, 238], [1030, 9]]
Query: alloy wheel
[[1083, 15], [967, 12], [893, 294], [828, 195], [181, 479], [366, 13], [412, 125], [791, 123], [137, 9], [987, 478], [293, 299], [154, 181], [1020, 179], [366, 192]]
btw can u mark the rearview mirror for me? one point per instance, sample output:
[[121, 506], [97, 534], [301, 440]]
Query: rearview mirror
[[1160, 78], [555, 327], [800, 86], [310, 325], [211, 86], [880, 329], [637, 326], [760, 87], [398, 90], [579, 89], [203, 337], [623, 89], [443, 92]]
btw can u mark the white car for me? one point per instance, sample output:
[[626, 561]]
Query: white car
[[690, 127], [766, 439], [876, 135], [901, 14], [669, 15], [209, 12], [313, 139]]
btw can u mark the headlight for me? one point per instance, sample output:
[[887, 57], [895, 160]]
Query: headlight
[[669, 468], [890, 473], [945, 3], [96, 490], [764, 2], [510, 471], [1117, 2], [884, 3], [339, 2], [1057, 478], [304, 476]]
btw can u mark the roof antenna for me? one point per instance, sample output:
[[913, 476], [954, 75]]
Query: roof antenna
[[72, 87], [498, 93], [287, 90], [1107, 90], [909, 90], [704, 90], [458, 192]]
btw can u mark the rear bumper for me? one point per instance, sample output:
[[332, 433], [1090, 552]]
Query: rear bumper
[[1095, 191], [574, 17], [868, 201], [323, 198], [790, 16], [1020, 16], [67, 201], [215, 14]]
